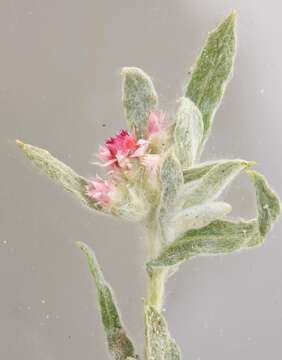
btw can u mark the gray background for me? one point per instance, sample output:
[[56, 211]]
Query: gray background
[[59, 83]]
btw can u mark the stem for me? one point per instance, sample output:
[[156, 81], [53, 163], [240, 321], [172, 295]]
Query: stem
[[156, 279]]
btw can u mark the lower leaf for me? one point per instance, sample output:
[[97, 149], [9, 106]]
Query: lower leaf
[[119, 344], [159, 344]]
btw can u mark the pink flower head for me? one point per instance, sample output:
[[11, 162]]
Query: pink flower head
[[101, 190], [156, 123], [117, 150]]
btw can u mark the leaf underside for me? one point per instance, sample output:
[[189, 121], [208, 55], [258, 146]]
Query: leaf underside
[[188, 132]]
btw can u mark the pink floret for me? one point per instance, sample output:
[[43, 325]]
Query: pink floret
[[100, 190], [156, 123]]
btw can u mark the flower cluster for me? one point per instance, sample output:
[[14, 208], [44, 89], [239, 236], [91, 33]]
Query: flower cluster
[[122, 156]]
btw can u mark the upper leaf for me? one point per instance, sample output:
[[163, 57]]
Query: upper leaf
[[188, 132], [139, 98], [218, 237], [268, 203], [171, 178], [197, 171], [59, 172], [159, 344], [211, 185], [119, 344], [212, 70]]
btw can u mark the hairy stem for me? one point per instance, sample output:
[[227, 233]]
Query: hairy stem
[[156, 279]]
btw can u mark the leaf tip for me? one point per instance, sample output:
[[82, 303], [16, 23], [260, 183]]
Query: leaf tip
[[20, 144], [247, 164], [233, 15], [81, 245], [130, 70]]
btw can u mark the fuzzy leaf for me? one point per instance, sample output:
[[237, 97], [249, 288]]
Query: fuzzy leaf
[[216, 238], [188, 132], [212, 70], [196, 217], [159, 344], [139, 98], [58, 171], [119, 344], [212, 184], [268, 203], [171, 178], [197, 171]]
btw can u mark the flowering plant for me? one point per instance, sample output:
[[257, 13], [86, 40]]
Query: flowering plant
[[154, 177]]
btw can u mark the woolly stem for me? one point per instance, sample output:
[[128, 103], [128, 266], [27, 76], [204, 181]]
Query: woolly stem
[[156, 278]]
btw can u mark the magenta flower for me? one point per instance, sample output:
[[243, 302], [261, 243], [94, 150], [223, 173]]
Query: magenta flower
[[119, 149], [103, 191]]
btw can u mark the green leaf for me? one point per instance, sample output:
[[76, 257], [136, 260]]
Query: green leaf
[[171, 178], [58, 171], [139, 98], [212, 184], [216, 238], [197, 171], [119, 344], [212, 70], [188, 132], [159, 344], [268, 203], [196, 217]]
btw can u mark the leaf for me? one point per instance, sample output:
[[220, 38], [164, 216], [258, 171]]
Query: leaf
[[212, 70], [139, 98], [171, 179], [196, 217], [119, 344], [212, 184], [216, 238], [268, 203], [188, 132], [58, 171], [159, 344], [197, 171]]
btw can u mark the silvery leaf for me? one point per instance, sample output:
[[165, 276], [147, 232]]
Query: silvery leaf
[[159, 344], [171, 179], [199, 170], [59, 172], [268, 203], [119, 344], [139, 98], [212, 184], [196, 217], [218, 237], [212, 70], [188, 132]]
